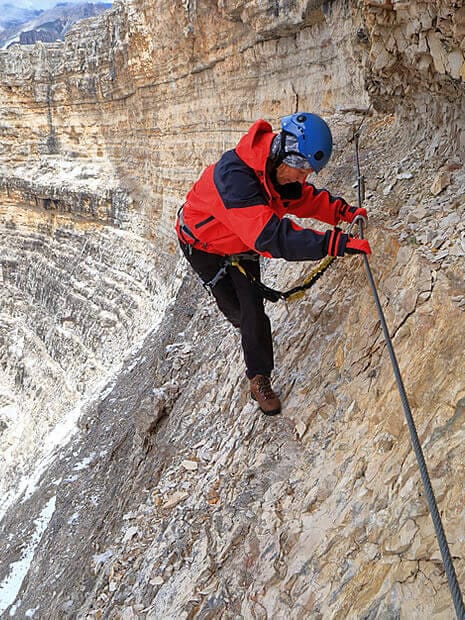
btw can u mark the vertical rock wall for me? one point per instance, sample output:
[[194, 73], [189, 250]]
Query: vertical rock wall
[[175, 498], [100, 134], [416, 64]]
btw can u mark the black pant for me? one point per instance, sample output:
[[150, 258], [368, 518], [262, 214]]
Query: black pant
[[241, 304]]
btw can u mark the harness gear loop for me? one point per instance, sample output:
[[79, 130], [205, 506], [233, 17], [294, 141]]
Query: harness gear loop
[[232, 259], [432, 504], [216, 278]]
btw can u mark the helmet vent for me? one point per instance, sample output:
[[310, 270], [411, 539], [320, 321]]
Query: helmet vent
[[319, 155], [301, 118]]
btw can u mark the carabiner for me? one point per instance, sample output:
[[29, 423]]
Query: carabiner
[[358, 220]]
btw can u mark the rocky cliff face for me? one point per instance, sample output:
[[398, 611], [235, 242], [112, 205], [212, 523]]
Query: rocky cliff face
[[139, 481]]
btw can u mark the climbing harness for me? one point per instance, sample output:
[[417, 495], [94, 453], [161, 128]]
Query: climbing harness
[[439, 529], [236, 260]]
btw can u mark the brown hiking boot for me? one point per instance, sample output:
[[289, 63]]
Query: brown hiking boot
[[262, 392]]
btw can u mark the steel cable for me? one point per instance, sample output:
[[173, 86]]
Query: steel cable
[[432, 504]]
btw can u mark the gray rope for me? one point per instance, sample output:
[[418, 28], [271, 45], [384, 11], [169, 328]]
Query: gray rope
[[433, 508]]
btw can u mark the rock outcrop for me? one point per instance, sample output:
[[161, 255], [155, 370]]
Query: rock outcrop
[[139, 479]]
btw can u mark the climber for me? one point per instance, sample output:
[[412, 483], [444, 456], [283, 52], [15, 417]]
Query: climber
[[238, 207]]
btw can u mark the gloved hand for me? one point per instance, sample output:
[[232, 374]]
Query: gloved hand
[[348, 213], [357, 246], [338, 244]]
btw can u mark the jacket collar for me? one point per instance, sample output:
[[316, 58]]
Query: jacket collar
[[254, 147]]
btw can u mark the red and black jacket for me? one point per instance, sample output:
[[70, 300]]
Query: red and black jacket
[[234, 207]]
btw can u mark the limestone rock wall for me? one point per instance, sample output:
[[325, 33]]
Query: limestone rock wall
[[115, 92], [416, 63], [174, 497], [91, 147], [73, 303]]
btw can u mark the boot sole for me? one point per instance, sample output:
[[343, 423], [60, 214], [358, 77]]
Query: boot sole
[[270, 413]]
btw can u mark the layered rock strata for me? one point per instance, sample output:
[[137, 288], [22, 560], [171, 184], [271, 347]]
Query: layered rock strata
[[175, 498], [416, 64]]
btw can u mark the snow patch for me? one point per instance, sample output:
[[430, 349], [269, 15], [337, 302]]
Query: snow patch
[[101, 558], [84, 464], [18, 570], [74, 518]]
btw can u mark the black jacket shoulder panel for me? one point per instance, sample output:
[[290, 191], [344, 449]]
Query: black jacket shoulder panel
[[236, 183]]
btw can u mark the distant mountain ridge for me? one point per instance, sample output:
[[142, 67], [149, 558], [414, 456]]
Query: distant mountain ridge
[[26, 26], [11, 15]]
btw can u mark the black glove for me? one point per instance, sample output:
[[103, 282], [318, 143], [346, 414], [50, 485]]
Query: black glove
[[339, 244]]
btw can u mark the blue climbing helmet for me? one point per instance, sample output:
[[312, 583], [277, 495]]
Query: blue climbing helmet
[[313, 139]]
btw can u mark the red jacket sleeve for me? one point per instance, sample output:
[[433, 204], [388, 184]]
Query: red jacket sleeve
[[318, 204]]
